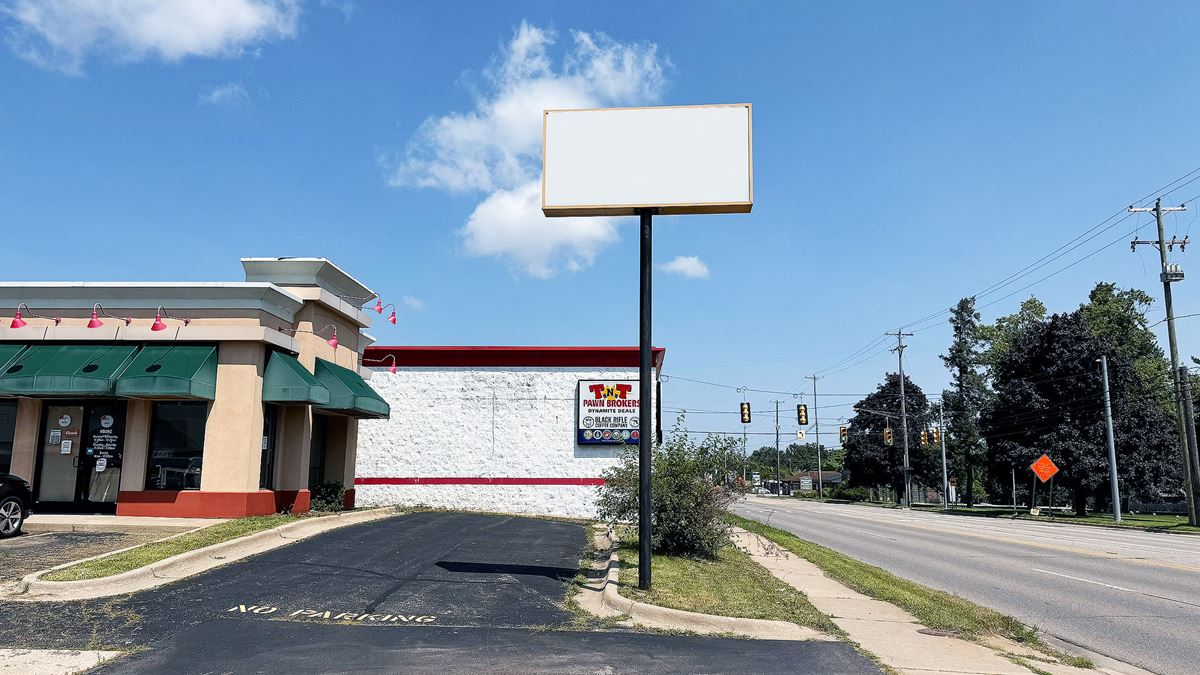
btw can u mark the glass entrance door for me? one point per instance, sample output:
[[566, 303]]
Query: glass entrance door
[[81, 455], [59, 475], [102, 451]]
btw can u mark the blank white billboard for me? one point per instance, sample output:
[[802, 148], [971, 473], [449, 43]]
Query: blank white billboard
[[685, 159]]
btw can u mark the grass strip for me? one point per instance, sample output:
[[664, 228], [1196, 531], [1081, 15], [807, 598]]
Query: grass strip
[[730, 585], [153, 552], [1133, 521]]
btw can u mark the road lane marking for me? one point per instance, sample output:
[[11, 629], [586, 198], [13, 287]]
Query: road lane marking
[[1117, 588], [873, 534]]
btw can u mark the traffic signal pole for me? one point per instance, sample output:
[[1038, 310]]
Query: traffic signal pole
[[1188, 450], [904, 417]]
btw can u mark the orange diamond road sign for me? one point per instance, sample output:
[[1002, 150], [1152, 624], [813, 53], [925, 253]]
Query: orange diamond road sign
[[1044, 467]]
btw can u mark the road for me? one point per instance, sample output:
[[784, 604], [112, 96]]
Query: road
[[421, 593], [1130, 595]]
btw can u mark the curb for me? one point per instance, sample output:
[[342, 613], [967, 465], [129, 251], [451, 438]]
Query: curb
[[654, 616], [33, 589]]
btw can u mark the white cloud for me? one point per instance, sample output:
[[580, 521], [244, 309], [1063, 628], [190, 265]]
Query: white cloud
[[412, 303], [687, 266], [62, 34], [496, 148], [228, 96]]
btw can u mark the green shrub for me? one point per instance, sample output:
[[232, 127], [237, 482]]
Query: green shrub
[[854, 494], [689, 509], [329, 497]]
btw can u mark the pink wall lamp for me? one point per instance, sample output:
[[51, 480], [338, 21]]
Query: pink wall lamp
[[333, 341], [98, 311], [18, 322], [160, 314], [391, 368], [379, 307]]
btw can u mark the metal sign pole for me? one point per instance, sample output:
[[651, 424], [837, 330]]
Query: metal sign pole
[[645, 428]]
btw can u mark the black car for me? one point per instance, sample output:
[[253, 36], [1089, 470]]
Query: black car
[[15, 498]]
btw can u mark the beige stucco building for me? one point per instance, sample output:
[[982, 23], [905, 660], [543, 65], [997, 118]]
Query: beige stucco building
[[186, 399]]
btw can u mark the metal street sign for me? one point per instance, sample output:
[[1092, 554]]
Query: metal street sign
[[1044, 468]]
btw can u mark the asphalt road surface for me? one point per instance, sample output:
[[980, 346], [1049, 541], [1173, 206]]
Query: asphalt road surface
[[427, 592], [1133, 596]]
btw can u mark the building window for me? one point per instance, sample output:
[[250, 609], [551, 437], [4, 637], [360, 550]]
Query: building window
[[316, 451], [176, 445], [8, 426]]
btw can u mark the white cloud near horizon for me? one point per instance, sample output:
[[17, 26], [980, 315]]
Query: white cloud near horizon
[[412, 303], [495, 149], [687, 266], [62, 34], [228, 96]]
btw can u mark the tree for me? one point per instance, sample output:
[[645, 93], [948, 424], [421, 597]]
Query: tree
[[1000, 335], [968, 395], [868, 460], [1048, 399]]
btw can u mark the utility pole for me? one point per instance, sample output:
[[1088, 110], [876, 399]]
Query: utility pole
[[942, 438], [903, 416], [778, 475], [1112, 447], [817, 425], [1168, 275]]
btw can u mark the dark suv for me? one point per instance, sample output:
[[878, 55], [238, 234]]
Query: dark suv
[[15, 498]]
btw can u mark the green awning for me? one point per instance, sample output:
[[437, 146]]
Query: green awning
[[172, 372], [8, 352], [65, 370], [286, 380], [349, 394]]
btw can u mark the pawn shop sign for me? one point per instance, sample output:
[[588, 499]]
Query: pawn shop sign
[[1044, 468]]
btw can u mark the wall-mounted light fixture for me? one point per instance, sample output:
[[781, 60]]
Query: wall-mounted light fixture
[[160, 314], [18, 322], [98, 311], [333, 341], [391, 368], [379, 307]]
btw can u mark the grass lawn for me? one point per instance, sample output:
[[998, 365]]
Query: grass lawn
[[153, 552], [731, 585], [1144, 521]]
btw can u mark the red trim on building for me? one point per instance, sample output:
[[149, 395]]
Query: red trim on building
[[473, 480], [204, 504], [597, 357]]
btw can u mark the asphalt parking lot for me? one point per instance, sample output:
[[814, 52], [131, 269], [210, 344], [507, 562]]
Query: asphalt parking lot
[[444, 592]]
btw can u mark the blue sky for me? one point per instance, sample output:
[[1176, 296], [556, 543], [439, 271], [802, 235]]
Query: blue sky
[[906, 154]]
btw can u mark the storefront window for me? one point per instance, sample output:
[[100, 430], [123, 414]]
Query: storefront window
[[8, 426], [176, 445]]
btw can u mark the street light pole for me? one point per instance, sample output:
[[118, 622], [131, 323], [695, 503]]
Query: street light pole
[[817, 428], [942, 437], [1112, 447]]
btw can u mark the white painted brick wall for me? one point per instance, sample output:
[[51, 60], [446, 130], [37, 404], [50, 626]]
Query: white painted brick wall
[[483, 422]]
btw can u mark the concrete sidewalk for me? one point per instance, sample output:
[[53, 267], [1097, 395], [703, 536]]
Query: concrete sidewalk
[[892, 634], [38, 523]]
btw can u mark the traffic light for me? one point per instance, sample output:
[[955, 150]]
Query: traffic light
[[887, 436], [924, 439], [802, 415], [937, 435], [843, 434], [745, 412]]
